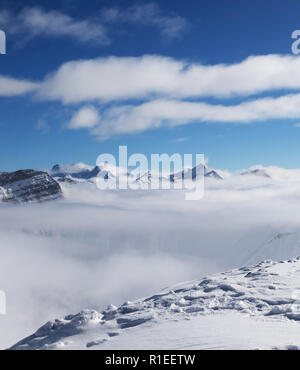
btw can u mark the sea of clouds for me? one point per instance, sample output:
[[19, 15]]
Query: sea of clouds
[[99, 247]]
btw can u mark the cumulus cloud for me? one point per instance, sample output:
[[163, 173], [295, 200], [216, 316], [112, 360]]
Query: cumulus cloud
[[86, 117]]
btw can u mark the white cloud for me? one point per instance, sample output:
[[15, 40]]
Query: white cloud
[[128, 119], [86, 117], [163, 85], [111, 78], [42, 126], [120, 78], [12, 87], [35, 21], [180, 139], [171, 26]]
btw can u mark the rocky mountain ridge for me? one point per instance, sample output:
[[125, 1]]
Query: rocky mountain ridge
[[28, 186]]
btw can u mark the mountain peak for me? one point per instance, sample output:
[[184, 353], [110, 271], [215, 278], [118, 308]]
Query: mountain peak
[[256, 171]]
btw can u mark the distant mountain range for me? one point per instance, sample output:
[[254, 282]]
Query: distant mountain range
[[257, 172], [85, 172], [38, 186], [81, 171]]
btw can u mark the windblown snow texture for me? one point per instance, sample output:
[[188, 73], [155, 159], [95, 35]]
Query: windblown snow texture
[[262, 298]]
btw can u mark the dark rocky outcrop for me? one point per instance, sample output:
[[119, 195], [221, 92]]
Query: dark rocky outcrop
[[28, 186], [195, 172]]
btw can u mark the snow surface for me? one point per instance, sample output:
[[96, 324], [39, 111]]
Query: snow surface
[[255, 307]]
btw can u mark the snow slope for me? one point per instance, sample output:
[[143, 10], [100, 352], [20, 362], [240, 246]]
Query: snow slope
[[246, 308]]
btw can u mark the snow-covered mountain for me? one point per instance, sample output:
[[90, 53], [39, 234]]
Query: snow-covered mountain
[[82, 171], [256, 171], [246, 308], [28, 186], [196, 172], [149, 177], [77, 171], [146, 178]]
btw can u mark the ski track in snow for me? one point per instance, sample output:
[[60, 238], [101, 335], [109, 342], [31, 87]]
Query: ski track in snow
[[254, 307]]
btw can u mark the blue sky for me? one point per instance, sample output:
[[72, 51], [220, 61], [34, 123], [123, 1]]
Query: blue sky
[[50, 111]]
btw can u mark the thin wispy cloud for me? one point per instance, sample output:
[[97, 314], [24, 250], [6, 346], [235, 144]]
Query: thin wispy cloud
[[10, 86], [34, 22], [130, 119], [180, 139], [170, 26], [42, 126]]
